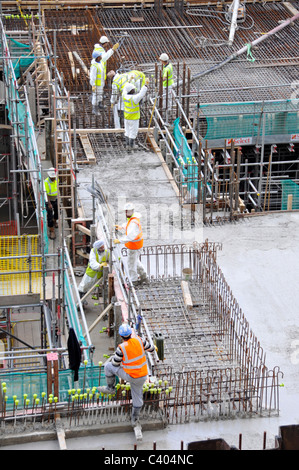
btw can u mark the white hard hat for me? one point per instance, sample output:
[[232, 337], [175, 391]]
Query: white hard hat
[[164, 57], [104, 39], [129, 206], [52, 173], [129, 87]]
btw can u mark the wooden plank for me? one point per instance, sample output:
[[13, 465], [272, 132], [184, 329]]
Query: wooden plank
[[108, 131], [186, 294], [87, 148]]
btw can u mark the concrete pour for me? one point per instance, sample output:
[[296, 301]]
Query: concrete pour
[[259, 260]]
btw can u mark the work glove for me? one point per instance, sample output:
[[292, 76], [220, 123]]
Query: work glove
[[156, 349], [118, 228], [146, 81], [116, 46], [94, 88], [116, 241], [112, 105], [103, 264]]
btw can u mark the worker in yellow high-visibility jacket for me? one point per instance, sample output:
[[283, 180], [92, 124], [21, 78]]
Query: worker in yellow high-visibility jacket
[[167, 78], [98, 258], [51, 189], [132, 112]]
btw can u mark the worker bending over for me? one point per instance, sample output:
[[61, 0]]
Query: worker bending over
[[132, 112], [133, 239], [119, 81], [98, 258], [167, 77], [51, 189], [129, 363]]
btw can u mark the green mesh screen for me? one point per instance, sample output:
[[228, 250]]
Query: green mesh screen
[[24, 55], [19, 384], [289, 187], [234, 120]]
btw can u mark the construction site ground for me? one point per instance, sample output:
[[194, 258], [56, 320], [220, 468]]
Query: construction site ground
[[259, 261]]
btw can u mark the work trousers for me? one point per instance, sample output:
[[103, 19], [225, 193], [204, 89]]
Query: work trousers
[[52, 214], [131, 128], [87, 283], [167, 97], [135, 266], [136, 384], [97, 96]]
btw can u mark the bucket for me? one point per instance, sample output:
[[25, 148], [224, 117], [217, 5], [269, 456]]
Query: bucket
[[187, 274]]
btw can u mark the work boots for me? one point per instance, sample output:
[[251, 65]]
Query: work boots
[[135, 416], [133, 146], [110, 388], [127, 143], [52, 233]]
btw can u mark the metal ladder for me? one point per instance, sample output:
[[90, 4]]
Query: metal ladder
[[64, 162]]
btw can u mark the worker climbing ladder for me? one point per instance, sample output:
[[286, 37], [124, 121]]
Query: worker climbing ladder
[[64, 161]]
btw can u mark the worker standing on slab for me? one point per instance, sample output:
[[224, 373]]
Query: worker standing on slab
[[129, 363], [98, 258], [51, 188], [97, 82], [133, 240], [119, 81], [167, 77], [132, 112], [103, 47]]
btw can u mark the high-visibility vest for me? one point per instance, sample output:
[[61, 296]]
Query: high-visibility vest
[[168, 74], [102, 50], [139, 76], [90, 272], [99, 67], [131, 110], [134, 358], [120, 81], [137, 243], [51, 187]]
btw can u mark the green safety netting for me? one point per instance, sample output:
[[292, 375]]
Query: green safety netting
[[185, 159], [30, 384], [22, 55], [237, 120], [289, 187]]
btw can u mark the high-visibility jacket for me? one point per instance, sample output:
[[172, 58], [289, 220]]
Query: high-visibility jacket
[[138, 76], [102, 50], [100, 68], [120, 81], [134, 358], [137, 243], [51, 188], [90, 272], [131, 109], [168, 74]]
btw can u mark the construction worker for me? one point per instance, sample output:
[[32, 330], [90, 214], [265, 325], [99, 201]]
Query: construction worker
[[133, 239], [97, 82], [98, 258], [132, 112], [103, 47], [119, 80], [129, 364], [97, 77], [51, 188], [167, 77]]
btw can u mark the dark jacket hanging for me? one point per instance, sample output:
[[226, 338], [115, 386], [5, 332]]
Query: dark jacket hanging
[[74, 353]]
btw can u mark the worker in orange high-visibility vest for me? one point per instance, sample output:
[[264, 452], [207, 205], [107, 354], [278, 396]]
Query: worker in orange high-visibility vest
[[133, 241], [129, 363]]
